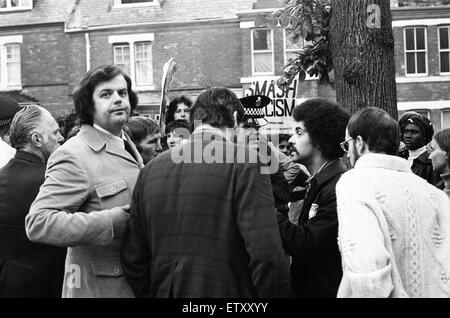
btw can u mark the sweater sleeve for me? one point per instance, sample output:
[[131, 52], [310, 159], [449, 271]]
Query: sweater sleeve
[[366, 260]]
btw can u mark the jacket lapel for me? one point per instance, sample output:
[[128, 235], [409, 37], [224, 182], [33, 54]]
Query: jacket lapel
[[97, 140]]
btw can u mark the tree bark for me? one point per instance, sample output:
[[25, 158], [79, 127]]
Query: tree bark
[[363, 56]]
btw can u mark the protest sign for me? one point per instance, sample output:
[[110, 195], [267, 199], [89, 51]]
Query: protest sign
[[279, 112]]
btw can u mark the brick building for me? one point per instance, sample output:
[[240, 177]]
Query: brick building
[[47, 45]]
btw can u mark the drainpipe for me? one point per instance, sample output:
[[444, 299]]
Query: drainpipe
[[88, 52]]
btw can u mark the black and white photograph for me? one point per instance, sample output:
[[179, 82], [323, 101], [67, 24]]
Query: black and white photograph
[[228, 154]]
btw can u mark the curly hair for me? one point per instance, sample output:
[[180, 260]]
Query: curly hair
[[325, 122], [83, 94], [170, 114]]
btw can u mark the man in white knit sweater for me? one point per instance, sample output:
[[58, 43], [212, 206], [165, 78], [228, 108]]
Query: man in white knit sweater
[[394, 227]]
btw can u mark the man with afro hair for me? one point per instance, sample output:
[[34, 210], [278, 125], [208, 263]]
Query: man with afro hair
[[316, 269]]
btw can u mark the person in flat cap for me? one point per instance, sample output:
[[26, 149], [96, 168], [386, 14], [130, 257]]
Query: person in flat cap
[[416, 132], [8, 108]]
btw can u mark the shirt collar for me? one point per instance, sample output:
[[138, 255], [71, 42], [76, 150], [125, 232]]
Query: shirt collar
[[210, 130], [108, 133], [328, 170]]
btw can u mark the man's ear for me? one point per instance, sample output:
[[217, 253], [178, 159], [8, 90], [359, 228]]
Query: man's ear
[[360, 145], [36, 140]]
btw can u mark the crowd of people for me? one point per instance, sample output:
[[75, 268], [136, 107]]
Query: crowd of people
[[106, 203]]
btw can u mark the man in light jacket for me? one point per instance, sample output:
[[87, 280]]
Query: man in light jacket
[[84, 201]]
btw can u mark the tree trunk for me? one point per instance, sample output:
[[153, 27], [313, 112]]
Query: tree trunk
[[363, 55]]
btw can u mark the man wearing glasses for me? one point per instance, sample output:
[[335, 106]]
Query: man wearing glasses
[[316, 269]]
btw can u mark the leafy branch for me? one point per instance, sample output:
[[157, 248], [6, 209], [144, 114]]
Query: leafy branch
[[308, 20]]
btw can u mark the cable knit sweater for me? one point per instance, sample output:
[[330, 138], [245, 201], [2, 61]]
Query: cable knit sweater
[[394, 231]]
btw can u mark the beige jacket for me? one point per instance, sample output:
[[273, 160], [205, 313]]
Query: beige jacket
[[86, 177]]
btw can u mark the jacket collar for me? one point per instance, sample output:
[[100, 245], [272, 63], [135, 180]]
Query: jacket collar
[[98, 140], [28, 156], [377, 160], [206, 130], [424, 158], [329, 171]]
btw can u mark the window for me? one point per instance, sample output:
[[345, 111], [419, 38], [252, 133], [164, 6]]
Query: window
[[444, 49], [290, 48], [10, 5], [445, 115], [423, 112], [416, 51], [133, 54], [10, 63], [134, 3], [262, 52]]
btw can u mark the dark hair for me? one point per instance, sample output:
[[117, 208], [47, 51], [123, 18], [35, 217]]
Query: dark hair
[[177, 124], [140, 127], [325, 122], [443, 140], [67, 123], [423, 123], [83, 94], [170, 114], [216, 106], [284, 137], [377, 128]]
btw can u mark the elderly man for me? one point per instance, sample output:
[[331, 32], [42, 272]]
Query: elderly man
[[8, 108], [205, 227], [30, 270], [84, 201]]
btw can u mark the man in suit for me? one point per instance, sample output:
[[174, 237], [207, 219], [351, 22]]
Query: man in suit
[[8, 108], [202, 221], [27, 269], [84, 201], [316, 264]]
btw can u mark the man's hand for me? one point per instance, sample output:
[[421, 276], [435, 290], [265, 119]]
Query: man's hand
[[119, 216]]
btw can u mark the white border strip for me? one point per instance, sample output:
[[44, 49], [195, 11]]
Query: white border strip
[[419, 22], [438, 104]]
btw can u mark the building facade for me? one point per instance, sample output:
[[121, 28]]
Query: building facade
[[47, 45]]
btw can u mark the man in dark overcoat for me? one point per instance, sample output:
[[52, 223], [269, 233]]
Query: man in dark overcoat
[[27, 269]]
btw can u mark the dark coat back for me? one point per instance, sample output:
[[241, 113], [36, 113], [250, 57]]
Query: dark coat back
[[204, 229], [26, 269], [423, 167]]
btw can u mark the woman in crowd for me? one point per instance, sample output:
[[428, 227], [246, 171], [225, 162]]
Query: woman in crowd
[[439, 151], [179, 109]]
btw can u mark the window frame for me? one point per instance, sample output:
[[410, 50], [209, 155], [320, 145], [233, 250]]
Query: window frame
[[443, 50], [9, 6], [285, 39], [415, 51], [119, 4], [132, 41], [444, 110], [5, 85], [272, 51]]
